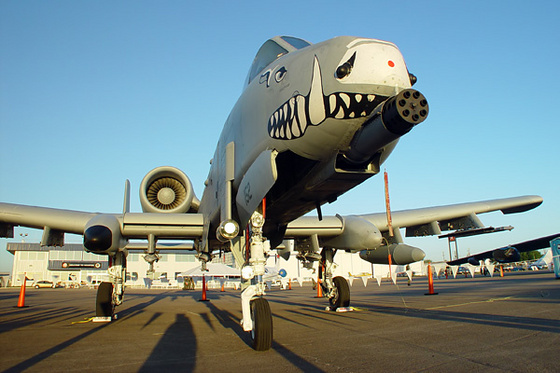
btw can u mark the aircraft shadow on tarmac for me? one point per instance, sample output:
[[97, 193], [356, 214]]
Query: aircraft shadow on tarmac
[[26, 364], [26, 318], [178, 345], [72, 313], [228, 320]]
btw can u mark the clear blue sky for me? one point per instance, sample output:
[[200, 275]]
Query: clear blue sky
[[93, 93]]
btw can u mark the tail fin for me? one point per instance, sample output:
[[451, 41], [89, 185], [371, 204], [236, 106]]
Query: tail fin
[[126, 204]]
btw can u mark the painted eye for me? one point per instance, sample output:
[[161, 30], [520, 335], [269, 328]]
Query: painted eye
[[343, 70], [346, 68], [280, 74]]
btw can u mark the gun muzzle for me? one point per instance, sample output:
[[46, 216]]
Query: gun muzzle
[[390, 120]]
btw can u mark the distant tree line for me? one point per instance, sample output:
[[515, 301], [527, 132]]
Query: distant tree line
[[531, 255]]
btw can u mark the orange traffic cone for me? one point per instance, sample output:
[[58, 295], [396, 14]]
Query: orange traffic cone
[[319, 291], [204, 289], [430, 282], [21, 300]]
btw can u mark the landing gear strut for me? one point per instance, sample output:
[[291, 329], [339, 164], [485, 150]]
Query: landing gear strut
[[257, 317], [110, 294], [336, 289]]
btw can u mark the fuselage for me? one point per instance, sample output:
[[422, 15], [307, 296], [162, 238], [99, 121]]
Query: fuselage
[[308, 102]]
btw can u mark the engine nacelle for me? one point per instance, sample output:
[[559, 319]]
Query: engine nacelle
[[102, 235], [507, 255], [168, 190], [473, 261]]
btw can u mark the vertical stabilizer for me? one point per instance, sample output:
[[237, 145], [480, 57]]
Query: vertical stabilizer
[[126, 204]]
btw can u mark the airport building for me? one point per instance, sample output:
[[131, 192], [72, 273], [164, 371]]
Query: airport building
[[70, 266]]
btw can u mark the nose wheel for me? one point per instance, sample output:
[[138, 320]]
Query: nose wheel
[[261, 334]]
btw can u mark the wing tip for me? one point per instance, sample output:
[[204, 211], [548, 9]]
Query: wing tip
[[531, 202]]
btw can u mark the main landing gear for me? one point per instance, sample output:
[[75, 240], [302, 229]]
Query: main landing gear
[[257, 317], [336, 289], [110, 294]]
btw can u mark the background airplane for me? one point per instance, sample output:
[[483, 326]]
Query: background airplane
[[507, 254]]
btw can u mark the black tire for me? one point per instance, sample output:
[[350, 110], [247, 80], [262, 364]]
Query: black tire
[[104, 302], [341, 296], [262, 324]]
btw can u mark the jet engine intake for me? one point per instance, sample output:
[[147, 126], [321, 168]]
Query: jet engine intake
[[391, 119], [168, 190], [400, 254]]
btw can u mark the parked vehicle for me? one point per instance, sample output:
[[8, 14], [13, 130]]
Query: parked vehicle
[[43, 284]]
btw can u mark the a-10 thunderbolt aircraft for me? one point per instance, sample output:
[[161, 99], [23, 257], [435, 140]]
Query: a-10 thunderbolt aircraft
[[313, 121], [506, 254]]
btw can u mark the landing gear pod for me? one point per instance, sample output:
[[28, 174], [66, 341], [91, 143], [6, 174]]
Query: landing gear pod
[[102, 235]]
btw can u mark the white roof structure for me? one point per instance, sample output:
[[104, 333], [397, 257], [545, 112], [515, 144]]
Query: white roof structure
[[214, 270]]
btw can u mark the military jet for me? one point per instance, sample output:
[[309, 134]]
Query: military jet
[[313, 121], [507, 254]]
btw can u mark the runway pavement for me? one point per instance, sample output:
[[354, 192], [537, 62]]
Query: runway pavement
[[484, 324]]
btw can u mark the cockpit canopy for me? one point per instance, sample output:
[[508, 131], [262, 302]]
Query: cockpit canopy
[[271, 50]]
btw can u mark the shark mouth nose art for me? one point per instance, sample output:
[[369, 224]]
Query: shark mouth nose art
[[291, 120]]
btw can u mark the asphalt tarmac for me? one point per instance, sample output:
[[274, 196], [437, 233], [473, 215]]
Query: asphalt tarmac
[[484, 324]]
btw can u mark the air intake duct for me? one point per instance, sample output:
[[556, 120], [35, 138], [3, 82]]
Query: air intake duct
[[167, 189]]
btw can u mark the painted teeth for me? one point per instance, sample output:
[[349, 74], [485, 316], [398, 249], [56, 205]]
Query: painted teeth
[[301, 118], [345, 98], [332, 103], [291, 120]]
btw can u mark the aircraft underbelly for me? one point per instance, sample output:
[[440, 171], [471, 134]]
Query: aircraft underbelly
[[292, 197]]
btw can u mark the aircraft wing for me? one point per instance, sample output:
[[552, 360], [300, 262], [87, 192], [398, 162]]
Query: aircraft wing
[[39, 217], [343, 230], [56, 222], [508, 253], [432, 220], [418, 222]]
